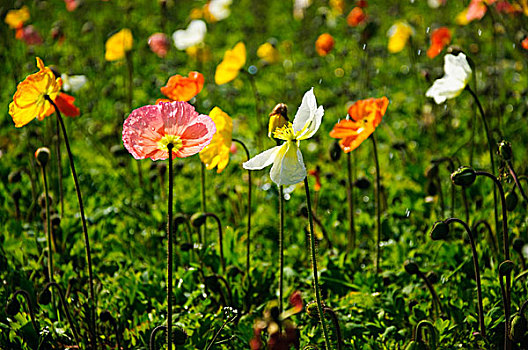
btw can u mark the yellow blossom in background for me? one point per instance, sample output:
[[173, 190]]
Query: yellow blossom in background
[[216, 154], [16, 18], [338, 6], [233, 61], [29, 101], [461, 19], [399, 34], [118, 45], [267, 52]]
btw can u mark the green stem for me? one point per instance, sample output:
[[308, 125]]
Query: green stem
[[48, 226], [378, 203], [248, 232], [516, 179], [220, 238], [314, 266], [93, 330], [59, 163], [436, 300], [204, 204], [490, 149], [281, 246], [350, 198], [170, 146], [66, 310]]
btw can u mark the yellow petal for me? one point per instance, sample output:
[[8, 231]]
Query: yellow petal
[[118, 44], [233, 61]]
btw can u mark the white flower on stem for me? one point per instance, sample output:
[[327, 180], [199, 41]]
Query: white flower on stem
[[457, 74], [288, 165], [193, 35], [73, 83], [219, 9]]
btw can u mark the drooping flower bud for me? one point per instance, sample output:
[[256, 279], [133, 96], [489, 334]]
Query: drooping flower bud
[[362, 183], [511, 200], [12, 307], [45, 297], [42, 155], [518, 244], [277, 118], [464, 176], [198, 219], [518, 328], [411, 267], [505, 150], [440, 231], [179, 336], [335, 151], [14, 176], [505, 267]]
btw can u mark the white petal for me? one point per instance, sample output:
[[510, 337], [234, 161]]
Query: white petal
[[262, 160], [73, 82], [457, 67], [445, 88], [193, 35], [308, 117], [288, 169]]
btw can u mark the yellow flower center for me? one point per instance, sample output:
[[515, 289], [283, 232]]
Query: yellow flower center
[[174, 140], [285, 133]]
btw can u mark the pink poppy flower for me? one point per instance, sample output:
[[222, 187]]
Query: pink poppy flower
[[148, 131], [159, 44]]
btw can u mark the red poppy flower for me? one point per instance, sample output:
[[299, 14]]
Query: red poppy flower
[[439, 39], [356, 17]]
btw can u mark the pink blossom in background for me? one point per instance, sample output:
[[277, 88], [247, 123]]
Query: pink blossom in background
[[149, 129], [29, 35], [159, 44], [71, 5]]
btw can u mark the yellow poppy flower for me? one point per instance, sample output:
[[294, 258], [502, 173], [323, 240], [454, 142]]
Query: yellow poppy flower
[[233, 61], [29, 101], [267, 52], [216, 154], [398, 35], [118, 44], [16, 18]]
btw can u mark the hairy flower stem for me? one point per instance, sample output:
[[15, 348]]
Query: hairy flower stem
[[504, 292], [152, 340], [436, 300], [516, 179], [248, 232], [333, 317], [93, 330], [477, 272], [48, 226], [26, 296], [220, 238], [378, 203], [350, 198], [314, 267], [59, 169], [281, 247], [204, 204], [490, 148], [484, 223], [506, 250], [170, 146], [66, 310]]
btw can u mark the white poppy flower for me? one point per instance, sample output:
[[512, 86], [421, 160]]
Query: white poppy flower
[[193, 35], [457, 75], [73, 83], [219, 9], [288, 166]]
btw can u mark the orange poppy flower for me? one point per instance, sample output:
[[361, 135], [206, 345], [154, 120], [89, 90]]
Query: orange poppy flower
[[365, 116], [439, 39], [324, 44], [356, 17], [524, 43], [180, 88]]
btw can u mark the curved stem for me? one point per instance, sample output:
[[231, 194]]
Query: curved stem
[[152, 341], [83, 221], [30, 308], [350, 198], [248, 232], [516, 179], [220, 238], [281, 247], [436, 299], [504, 292], [490, 149], [475, 228], [48, 226], [333, 316], [170, 146], [378, 203], [314, 266], [477, 272], [229, 291], [441, 196], [66, 310]]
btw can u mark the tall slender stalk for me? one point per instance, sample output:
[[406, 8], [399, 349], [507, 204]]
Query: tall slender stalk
[[516, 179], [248, 232], [378, 203], [281, 247], [203, 196], [477, 272], [314, 267], [66, 310], [350, 198], [59, 169], [170, 146], [48, 224], [93, 330]]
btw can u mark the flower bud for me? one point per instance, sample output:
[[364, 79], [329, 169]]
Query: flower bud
[[311, 310], [505, 267], [431, 171], [43, 155], [179, 336], [505, 150], [277, 118], [55, 220], [198, 219], [14, 176], [464, 176], [16, 194], [518, 328], [432, 188], [432, 277], [45, 297], [440, 231], [105, 316], [511, 200], [12, 307], [518, 244], [411, 267], [362, 183], [42, 200]]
